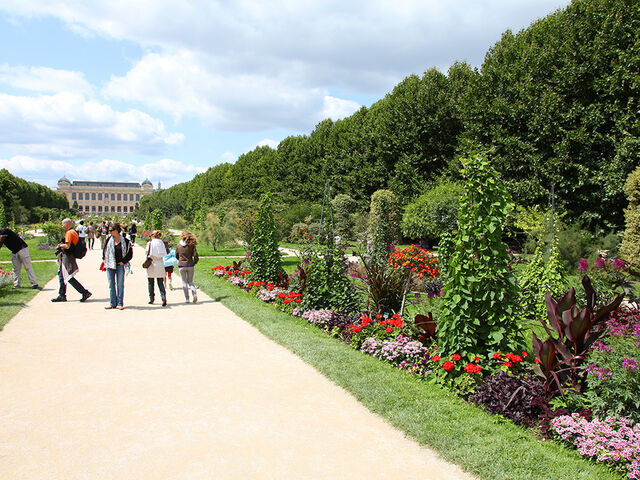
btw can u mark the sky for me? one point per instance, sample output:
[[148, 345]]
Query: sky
[[123, 90]]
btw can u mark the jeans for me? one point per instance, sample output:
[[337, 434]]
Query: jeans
[[186, 273], [115, 277], [62, 292], [18, 260], [152, 293]]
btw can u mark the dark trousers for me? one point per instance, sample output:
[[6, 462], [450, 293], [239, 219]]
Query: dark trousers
[[133, 238], [152, 293], [73, 282]]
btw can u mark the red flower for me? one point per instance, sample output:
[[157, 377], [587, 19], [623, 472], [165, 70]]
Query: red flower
[[497, 356], [507, 364], [525, 354], [536, 360], [476, 359], [472, 368], [388, 329], [436, 358], [455, 357], [378, 316], [448, 365]]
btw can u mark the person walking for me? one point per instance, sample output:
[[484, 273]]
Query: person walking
[[104, 231], [68, 265], [169, 261], [91, 235], [156, 251], [116, 255], [82, 230], [187, 255], [19, 256], [133, 231]]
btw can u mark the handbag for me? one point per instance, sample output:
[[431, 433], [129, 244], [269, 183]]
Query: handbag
[[147, 263], [102, 267]]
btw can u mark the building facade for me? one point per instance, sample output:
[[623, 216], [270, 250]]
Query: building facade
[[104, 197]]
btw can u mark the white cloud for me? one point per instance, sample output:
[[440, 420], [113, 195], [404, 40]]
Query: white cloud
[[253, 65], [337, 108], [268, 142], [228, 157], [48, 172], [66, 125], [43, 79]]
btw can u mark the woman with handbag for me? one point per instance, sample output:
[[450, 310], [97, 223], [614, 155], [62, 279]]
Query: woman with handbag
[[156, 252], [116, 255], [187, 256]]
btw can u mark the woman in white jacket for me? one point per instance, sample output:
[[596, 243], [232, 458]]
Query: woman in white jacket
[[156, 251]]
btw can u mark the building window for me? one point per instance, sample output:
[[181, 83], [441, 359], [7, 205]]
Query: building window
[[99, 208], [99, 196], [137, 197], [113, 209], [113, 197], [73, 196], [119, 196], [119, 209], [93, 208], [80, 196], [124, 209], [93, 196]]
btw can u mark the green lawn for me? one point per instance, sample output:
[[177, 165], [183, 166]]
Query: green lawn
[[485, 445], [11, 301], [34, 252]]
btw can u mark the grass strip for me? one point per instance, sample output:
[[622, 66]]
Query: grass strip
[[488, 446], [11, 301]]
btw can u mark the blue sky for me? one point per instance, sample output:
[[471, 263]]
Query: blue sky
[[115, 90]]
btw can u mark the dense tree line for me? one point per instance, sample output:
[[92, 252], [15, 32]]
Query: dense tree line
[[555, 104], [25, 201]]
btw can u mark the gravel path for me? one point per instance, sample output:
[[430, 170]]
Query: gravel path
[[189, 392]]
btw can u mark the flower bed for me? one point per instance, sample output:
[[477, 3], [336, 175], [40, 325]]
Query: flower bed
[[6, 278], [500, 382]]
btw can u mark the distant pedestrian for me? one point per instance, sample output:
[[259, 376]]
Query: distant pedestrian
[[116, 255], [187, 256], [104, 231], [82, 230], [91, 235], [156, 251], [19, 256], [133, 230], [68, 265]]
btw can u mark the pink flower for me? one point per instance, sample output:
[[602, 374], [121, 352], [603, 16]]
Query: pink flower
[[599, 263], [583, 265]]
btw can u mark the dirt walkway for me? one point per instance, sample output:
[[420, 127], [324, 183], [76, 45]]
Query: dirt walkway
[[188, 392]]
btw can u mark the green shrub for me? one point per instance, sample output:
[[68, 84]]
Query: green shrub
[[328, 284], [574, 243], [384, 220], [433, 213], [298, 231], [177, 222], [148, 224], [3, 216], [265, 259], [630, 247], [54, 233], [157, 219], [538, 277], [343, 209], [480, 293]]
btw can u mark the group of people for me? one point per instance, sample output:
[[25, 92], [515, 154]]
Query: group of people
[[101, 230], [117, 253]]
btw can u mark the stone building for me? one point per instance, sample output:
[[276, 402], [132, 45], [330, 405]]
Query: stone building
[[104, 197]]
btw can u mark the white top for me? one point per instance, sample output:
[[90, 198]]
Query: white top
[[82, 231]]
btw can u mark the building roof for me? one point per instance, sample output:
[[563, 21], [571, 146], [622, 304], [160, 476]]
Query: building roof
[[106, 184], [64, 179], [147, 182]]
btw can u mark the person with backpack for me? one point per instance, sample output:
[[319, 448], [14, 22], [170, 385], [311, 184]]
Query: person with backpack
[[116, 256], [68, 251], [156, 251]]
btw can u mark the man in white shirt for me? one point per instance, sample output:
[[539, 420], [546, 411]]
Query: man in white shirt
[[81, 229]]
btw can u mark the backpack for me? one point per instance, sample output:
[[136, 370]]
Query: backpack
[[80, 249]]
